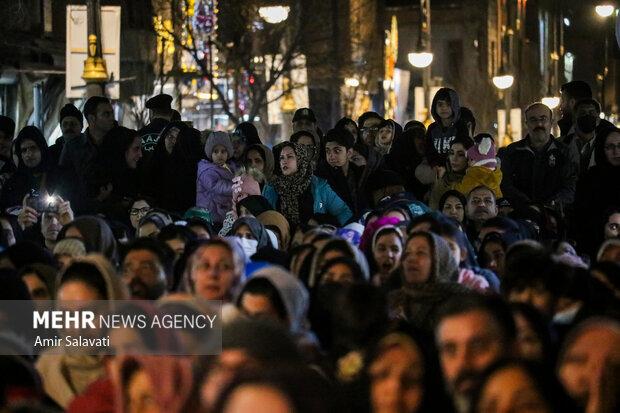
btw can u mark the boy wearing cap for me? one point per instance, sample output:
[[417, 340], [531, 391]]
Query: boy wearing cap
[[342, 175]]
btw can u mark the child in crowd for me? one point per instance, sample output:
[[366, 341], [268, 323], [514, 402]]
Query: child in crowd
[[446, 111], [483, 168], [214, 180], [388, 131]]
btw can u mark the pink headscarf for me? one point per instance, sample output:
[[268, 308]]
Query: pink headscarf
[[371, 228]]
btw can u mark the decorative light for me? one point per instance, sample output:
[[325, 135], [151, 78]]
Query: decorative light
[[503, 81], [351, 82], [421, 59], [206, 96], [566, 22], [604, 10], [274, 14], [552, 102]]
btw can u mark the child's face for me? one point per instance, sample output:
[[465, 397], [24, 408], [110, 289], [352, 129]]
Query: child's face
[[444, 110], [337, 155], [385, 136], [219, 155]]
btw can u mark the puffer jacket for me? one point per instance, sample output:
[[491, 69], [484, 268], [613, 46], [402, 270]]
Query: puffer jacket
[[214, 189]]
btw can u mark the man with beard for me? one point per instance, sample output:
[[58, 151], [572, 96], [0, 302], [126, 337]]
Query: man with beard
[[471, 333], [539, 167], [147, 268], [481, 205]]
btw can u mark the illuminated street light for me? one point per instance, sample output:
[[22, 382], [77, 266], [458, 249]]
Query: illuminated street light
[[604, 10], [422, 59], [503, 81], [552, 102], [274, 14]]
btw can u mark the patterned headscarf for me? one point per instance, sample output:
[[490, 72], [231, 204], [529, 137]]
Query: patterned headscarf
[[290, 187]]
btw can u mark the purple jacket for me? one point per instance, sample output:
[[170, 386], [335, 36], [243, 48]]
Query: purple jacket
[[214, 189]]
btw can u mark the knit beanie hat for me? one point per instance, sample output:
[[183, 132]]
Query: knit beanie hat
[[483, 152], [70, 110], [72, 247], [218, 138]]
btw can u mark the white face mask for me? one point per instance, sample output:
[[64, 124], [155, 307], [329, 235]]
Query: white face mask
[[249, 247]]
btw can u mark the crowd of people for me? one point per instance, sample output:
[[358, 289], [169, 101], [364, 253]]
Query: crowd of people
[[371, 268]]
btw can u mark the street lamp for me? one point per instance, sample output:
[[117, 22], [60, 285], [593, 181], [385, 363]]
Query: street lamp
[[420, 59], [274, 14], [503, 81], [605, 10]]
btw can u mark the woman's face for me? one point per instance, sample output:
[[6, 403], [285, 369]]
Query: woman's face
[[612, 148], [73, 232], [138, 210], [148, 229], [417, 260], [259, 306], [511, 390], [134, 153], [494, 255], [530, 345], [288, 161], [454, 208], [170, 140], [396, 378], [357, 158], [457, 156], [255, 160], [308, 142], [244, 232], [257, 398], [387, 252], [338, 273], [213, 272]]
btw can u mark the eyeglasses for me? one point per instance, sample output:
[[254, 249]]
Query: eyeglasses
[[369, 129], [611, 147], [139, 211]]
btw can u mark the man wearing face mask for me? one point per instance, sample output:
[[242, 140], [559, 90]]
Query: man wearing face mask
[[583, 135]]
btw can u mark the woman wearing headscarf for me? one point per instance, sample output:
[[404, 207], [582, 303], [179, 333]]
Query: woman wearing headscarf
[[276, 222], [296, 192], [429, 275], [95, 233], [172, 177], [91, 277], [259, 156], [35, 171], [116, 165], [252, 234], [598, 189]]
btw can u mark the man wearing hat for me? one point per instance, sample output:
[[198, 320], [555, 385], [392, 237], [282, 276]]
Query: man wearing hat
[[7, 130], [71, 124], [304, 119], [160, 114]]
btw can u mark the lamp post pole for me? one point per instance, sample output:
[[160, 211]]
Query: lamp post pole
[[425, 33]]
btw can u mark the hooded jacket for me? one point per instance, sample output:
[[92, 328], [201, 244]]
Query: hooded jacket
[[214, 189], [439, 138]]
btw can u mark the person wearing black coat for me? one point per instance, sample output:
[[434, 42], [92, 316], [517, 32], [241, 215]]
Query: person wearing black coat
[[36, 171], [172, 171]]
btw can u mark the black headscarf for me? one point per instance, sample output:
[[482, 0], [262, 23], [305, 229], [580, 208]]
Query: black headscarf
[[34, 134]]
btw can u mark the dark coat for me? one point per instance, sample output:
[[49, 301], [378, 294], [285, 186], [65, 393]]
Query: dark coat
[[348, 188], [546, 176]]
